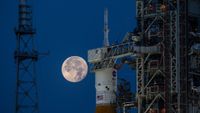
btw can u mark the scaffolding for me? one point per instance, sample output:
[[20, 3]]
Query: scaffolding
[[166, 47], [125, 97], [161, 17], [25, 57]]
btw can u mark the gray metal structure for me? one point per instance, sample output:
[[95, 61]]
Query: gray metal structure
[[25, 57], [165, 47], [166, 84]]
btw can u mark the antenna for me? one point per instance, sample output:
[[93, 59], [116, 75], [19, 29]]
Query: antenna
[[26, 57], [106, 29]]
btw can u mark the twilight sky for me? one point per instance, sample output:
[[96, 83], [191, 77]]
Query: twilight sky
[[64, 28]]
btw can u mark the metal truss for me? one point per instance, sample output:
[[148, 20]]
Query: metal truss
[[165, 69], [140, 82], [119, 51], [25, 56]]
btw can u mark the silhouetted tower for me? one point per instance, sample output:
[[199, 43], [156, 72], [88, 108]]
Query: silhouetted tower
[[25, 56], [167, 81]]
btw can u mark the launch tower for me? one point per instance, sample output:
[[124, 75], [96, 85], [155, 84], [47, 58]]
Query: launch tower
[[165, 51], [167, 80]]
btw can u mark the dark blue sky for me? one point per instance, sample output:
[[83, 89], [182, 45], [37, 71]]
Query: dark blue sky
[[65, 28]]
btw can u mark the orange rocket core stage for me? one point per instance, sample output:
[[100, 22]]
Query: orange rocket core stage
[[106, 108]]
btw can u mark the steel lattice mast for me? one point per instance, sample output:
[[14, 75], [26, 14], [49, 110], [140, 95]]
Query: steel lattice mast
[[25, 56]]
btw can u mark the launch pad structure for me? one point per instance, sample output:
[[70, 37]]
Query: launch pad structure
[[164, 49]]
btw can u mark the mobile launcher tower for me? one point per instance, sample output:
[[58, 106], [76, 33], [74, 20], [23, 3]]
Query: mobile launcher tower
[[165, 51]]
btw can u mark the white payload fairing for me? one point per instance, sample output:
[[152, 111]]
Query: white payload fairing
[[106, 87], [105, 78]]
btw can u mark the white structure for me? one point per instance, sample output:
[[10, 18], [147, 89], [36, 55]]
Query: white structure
[[106, 87]]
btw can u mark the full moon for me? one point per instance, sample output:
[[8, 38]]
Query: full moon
[[74, 69]]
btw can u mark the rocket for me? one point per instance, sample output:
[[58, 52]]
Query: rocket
[[106, 87], [106, 80], [105, 77]]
